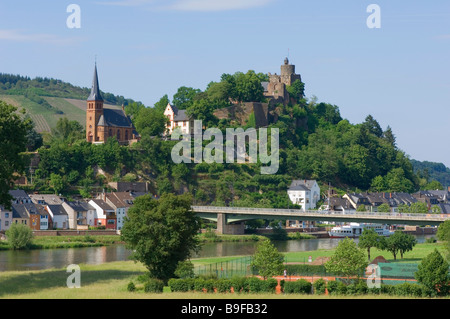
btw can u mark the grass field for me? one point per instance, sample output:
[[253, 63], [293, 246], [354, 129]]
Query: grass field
[[109, 280]]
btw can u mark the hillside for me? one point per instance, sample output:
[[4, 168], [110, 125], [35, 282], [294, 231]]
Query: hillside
[[315, 143], [432, 171], [46, 100]]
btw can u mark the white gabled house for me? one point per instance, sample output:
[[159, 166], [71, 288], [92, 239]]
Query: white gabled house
[[305, 193]]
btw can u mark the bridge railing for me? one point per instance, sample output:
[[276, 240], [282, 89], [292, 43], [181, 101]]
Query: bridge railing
[[297, 212]]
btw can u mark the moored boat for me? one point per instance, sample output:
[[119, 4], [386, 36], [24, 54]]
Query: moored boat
[[356, 229]]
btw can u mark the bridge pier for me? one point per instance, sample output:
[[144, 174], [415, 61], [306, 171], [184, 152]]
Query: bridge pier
[[228, 229]]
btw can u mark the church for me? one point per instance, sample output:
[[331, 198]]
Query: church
[[104, 122]]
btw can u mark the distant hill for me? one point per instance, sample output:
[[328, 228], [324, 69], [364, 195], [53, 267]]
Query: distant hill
[[434, 171], [46, 100]]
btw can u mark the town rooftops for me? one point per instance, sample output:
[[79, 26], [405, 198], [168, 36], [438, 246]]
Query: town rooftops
[[57, 210], [102, 204], [80, 206], [302, 184], [46, 199], [23, 210]]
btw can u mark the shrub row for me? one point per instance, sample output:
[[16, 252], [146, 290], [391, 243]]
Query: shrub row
[[360, 288], [150, 285], [222, 285]]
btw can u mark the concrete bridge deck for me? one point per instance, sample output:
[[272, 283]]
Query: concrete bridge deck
[[226, 216]]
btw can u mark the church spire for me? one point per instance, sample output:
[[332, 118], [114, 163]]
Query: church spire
[[95, 90]]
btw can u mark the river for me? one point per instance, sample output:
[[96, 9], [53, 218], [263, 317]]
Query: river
[[62, 257]]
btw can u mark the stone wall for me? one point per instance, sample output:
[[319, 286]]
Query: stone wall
[[241, 112]]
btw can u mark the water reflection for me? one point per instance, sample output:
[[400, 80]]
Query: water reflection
[[61, 258]]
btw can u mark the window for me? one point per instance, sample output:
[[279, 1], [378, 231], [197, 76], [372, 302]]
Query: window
[[6, 223], [111, 221], [6, 215]]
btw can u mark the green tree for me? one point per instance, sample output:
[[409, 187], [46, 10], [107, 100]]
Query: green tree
[[384, 208], [434, 185], [161, 105], [296, 90], [161, 232], [184, 97], [443, 234], [348, 260], [68, 131], [13, 141], [150, 122], [399, 242], [57, 183], [19, 236], [267, 260], [368, 239], [433, 274]]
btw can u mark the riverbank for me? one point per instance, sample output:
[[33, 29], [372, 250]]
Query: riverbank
[[109, 280], [51, 242], [88, 240]]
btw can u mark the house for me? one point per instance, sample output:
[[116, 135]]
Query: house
[[80, 215], [357, 199], [22, 207], [339, 204], [46, 199], [5, 218], [120, 202], [59, 216], [178, 118], [105, 215], [305, 193], [426, 197], [45, 220]]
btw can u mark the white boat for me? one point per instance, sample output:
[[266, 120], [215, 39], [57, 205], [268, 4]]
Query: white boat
[[356, 229]]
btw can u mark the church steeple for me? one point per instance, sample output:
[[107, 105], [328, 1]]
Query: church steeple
[[95, 90]]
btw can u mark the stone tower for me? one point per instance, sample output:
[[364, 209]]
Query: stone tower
[[276, 87], [288, 75], [94, 110]]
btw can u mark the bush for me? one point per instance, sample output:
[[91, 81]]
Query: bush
[[185, 269], [199, 284], [337, 288], [181, 285], [297, 287], [253, 284], [268, 285], [154, 285], [319, 286], [131, 286], [19, 236], [223, 285], [409, 290], [238, 284]]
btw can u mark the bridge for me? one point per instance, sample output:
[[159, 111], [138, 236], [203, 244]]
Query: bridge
[[229, 219]]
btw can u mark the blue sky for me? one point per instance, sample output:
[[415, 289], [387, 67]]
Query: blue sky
[[399, 73]]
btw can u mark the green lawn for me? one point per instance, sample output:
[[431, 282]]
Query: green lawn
[[110, 280]]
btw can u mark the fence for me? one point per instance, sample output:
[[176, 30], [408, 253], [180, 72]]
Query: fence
[[226, 269]]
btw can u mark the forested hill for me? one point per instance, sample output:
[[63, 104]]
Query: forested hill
[[38, 87], [315, 143], [432, 171]]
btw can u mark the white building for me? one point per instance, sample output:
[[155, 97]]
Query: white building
[[178, 118], [305, 193], [81, 215], [5, 218], [59, 216]]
